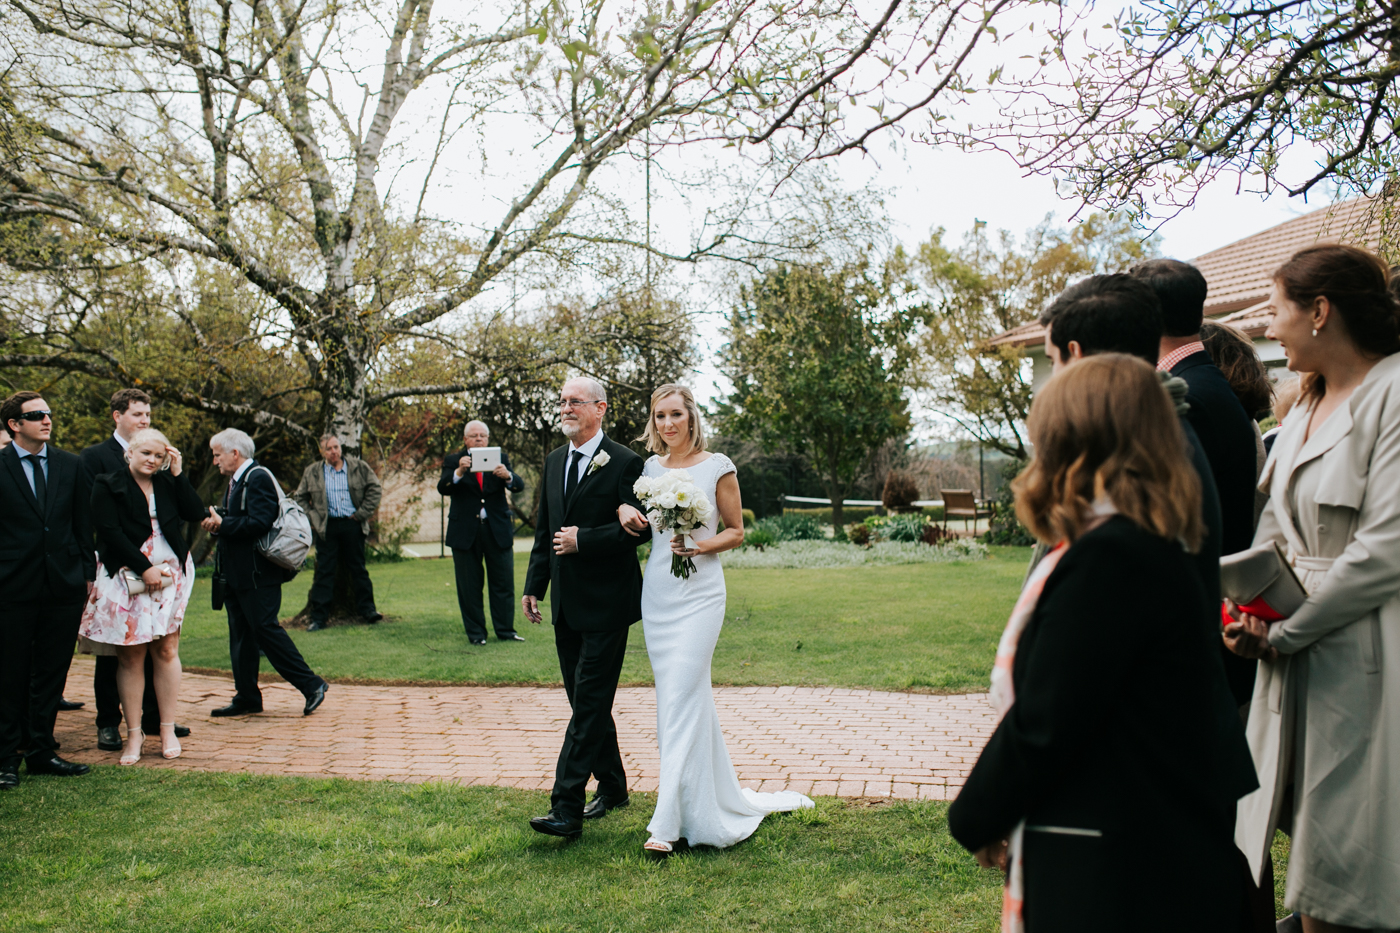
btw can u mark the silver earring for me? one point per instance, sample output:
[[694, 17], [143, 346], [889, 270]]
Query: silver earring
[[1314, 331]]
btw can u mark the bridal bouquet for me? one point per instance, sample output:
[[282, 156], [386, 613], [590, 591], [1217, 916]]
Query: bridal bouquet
[[674, 503]]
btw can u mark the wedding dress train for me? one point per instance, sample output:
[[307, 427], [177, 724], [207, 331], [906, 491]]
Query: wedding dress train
[[699, 798]]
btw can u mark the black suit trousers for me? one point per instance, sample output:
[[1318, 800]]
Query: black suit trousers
[[104, 688], [252, 626], [344, 540], [36, 647], [591, 663], [498, 564]]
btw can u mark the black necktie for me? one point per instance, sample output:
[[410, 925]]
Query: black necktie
[[571, 481], [41, 485]]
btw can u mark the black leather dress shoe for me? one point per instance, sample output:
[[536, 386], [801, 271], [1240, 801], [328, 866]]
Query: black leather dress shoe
[[552, 824], [54, 765], [315, 698], [235, 709], [511, 637], [374, 618], [316, 627], [479, 642], [109, 738], [600, 805], [153, 728], [66, 705], [9, 778]]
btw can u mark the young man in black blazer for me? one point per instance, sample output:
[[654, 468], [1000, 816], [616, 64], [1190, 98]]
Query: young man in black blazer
[[1225, 429], [588, 565], [46, 564], [131, 412], [252, 583]]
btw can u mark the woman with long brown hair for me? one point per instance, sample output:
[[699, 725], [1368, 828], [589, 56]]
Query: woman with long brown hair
[[1108, 783], [1324, 721]]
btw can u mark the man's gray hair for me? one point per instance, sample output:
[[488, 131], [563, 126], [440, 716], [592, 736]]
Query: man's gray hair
[[326, 437], [234, 439], [594, 386], [468, 426]]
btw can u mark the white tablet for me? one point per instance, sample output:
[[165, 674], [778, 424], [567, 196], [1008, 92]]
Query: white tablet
[[485, 459]]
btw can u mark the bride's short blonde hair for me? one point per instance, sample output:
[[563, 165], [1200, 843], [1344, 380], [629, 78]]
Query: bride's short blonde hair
[[149, 435], [655, 443]]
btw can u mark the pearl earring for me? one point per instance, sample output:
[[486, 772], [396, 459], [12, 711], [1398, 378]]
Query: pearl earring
[[1314, 331]]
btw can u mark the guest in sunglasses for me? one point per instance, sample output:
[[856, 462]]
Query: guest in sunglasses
[[46, 564]]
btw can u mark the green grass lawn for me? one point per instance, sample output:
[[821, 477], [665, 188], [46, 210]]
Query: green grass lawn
[[911, 627], [127, 849]]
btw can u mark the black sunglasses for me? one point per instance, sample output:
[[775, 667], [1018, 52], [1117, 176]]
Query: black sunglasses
[[37, 415]]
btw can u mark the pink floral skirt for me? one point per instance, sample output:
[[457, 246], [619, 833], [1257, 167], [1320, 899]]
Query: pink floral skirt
[[114, 618]]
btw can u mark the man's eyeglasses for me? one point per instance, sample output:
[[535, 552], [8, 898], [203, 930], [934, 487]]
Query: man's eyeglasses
[[565, 403], [37, 415]]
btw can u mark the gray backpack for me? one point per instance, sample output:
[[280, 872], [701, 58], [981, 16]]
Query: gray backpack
[[289, 538]]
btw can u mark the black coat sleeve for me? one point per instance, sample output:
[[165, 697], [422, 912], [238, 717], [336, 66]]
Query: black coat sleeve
[[113, 543], [1065, 673], [538, 572], [188, 505], [263, 507], [446, 487]]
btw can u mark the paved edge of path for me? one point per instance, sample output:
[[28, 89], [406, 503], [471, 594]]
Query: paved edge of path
[[815, 740]]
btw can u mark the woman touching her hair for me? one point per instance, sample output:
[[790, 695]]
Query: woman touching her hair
[[1111, 776]]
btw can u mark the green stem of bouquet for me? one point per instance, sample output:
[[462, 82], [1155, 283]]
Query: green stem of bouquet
[[682, 566]]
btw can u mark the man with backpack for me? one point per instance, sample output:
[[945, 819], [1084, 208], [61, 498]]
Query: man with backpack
[[252, 581]]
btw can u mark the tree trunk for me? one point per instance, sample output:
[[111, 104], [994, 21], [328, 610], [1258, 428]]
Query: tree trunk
[[837, 494], [343, 608]]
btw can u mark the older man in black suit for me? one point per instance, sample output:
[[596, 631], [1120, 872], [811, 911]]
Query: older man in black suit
[[46, 564], [1215, 413], [131, 412], [252, 583], [480, 532]]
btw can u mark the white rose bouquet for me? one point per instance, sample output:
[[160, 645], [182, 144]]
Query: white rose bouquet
[[674, 503]]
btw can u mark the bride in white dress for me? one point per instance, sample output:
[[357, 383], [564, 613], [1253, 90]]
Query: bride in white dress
[[699, 799]]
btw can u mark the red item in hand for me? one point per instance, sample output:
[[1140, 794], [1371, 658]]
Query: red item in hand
[[1258, 608]]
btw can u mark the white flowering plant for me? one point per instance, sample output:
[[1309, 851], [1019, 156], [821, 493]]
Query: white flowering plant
[[674, 503]]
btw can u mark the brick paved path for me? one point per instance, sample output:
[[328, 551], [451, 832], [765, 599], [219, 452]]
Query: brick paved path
[[817, 740]]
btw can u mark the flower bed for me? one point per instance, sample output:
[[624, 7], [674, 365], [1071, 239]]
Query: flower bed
[[808, 554]]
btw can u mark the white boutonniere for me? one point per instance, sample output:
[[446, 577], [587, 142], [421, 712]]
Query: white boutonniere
[[600, 460]]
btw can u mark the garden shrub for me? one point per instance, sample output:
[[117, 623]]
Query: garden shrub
[[901, 492], [818, 554], [789, 527], [1005, 528], [858, 533]]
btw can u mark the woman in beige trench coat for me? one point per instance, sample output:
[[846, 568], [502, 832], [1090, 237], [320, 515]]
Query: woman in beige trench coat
[[1324, 720]]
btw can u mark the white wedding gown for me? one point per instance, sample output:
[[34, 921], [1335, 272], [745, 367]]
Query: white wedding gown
[[699, 799]]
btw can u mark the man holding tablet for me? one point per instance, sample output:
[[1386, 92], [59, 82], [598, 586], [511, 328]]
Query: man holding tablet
[[480, 532]]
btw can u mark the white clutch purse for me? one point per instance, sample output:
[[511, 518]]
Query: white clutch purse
[[136, 586]]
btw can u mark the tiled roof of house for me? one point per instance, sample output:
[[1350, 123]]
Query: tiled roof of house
[[1239, 275]]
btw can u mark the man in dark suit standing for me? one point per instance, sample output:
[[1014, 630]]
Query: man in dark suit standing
[[131, 412], [46, 564], [252, 583], [1220, 421], [480, 532], [588, 564]]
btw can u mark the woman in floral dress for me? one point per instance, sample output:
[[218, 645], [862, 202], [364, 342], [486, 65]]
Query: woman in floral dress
[[137, 517]]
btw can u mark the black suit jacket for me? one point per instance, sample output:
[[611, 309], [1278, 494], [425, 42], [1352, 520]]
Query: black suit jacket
[[45, 548], [598, 589], [467, 499], [121, 519], [106, 457], [1227, 439], [1123, 722], [241, 564]]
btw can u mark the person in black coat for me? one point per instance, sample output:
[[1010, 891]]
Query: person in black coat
[[480, 532], [1225, 429], [145, 628], [1119, 758], [131, 412], [46, 564], [252, 583], [587, 563]]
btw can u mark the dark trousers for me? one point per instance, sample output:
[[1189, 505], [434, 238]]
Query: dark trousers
[[36, 647], [109, 708], [343, 541], [499, 580], [591, 662], [252, 627]]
